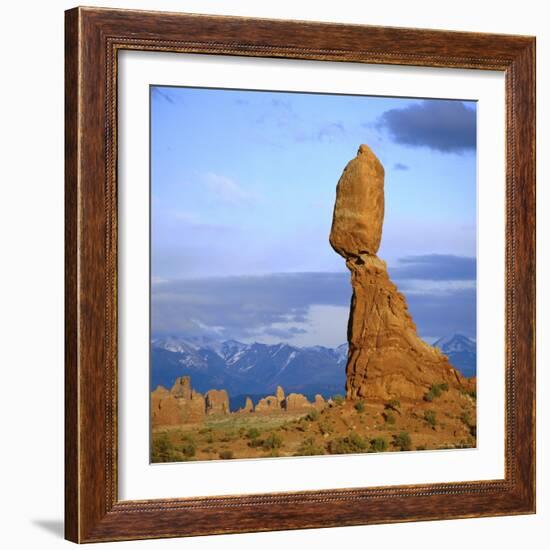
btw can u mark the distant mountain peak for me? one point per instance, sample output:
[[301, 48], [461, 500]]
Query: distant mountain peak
[[455, 343]]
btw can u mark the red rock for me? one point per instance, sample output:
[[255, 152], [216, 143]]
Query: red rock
[[248, 406], [386, 357], [297, 402], [280, 395], [319, 403], [269, 403], [217, 402], [182, 387]]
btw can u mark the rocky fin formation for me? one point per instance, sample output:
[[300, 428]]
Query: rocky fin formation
[[386, 357]]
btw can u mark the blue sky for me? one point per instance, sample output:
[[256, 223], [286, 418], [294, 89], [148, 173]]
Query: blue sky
[[243, 187]]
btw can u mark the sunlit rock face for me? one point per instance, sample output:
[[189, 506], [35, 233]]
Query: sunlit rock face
[[386, 358]]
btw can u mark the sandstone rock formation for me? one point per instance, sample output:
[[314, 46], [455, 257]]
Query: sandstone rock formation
[[248, 406], [280, 395], [386, 358], [181, 405], [217, 402], [297, 402], [319, 403], [182, 387], [269, 403]]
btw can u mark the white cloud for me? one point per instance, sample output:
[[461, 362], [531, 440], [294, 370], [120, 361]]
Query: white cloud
[[226, 189]]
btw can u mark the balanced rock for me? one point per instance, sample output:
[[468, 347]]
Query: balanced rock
[[359, 207], [386, 357], [217, 402]]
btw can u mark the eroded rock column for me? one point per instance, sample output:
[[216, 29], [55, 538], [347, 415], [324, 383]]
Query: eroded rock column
[[386, 358]]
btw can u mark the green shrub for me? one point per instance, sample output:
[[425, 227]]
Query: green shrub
[[352, 443], [360, 406], [378, 445], [436, 390], [389, 418], [338, 399], [309, 448], [402, 441], [429, 417], [325, 427], [393, 404], [253, 433], [162, 449], [313, 415], [226, 455], [189, 448], [273, 441], [469, 393]]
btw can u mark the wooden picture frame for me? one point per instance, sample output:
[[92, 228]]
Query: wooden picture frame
[[93, 511]]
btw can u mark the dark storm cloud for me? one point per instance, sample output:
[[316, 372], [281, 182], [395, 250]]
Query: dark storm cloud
[[441, 125], [435, 267], [239, 307], [442, 314]]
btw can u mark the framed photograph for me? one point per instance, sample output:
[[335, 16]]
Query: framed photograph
[[300, 275]]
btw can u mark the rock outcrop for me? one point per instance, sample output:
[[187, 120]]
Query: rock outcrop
[[297, 402], [386, 358], [181, 405], [280, 395], [268, 403], [217, 402], [248, 406], [319, 402]]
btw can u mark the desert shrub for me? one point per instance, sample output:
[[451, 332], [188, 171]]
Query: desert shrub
[[309, 448], [273, 441], [469, 393], [435, 391], [203, 431], [313, 415], [378, 445], [338, 399], [402, 441], [163, 449], [393, 404], [429, 417], [465, 417], [352, 443], [325, 428], [421, 447], [226, 455], [389, 418], [253, 433], [256, 443], [189, 448], [360, 406]]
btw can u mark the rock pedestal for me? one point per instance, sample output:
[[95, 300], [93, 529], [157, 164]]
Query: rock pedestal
[[386, 358]]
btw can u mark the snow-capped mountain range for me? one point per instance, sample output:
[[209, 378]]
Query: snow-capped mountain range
[[248, 368], [461, 352], [257, 369]]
